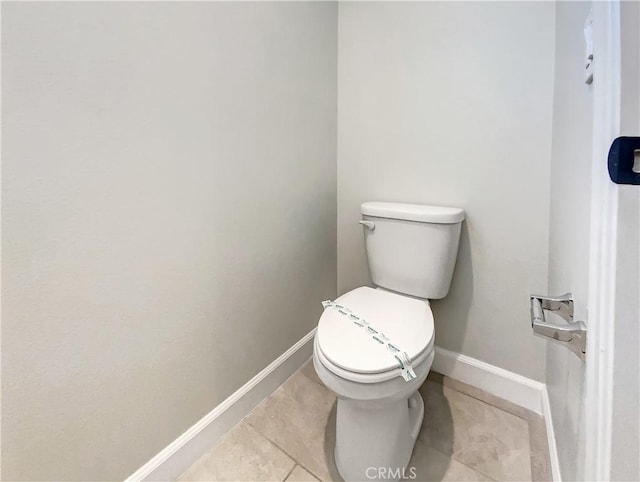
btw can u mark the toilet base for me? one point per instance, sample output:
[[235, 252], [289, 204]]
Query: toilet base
[[374, 440]]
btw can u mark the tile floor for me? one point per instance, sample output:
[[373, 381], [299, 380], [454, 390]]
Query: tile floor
[[467, 435]]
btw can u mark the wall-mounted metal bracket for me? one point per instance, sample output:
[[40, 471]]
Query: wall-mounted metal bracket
[[573, 334]]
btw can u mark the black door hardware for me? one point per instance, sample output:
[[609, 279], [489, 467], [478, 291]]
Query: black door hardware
[[624, 156]]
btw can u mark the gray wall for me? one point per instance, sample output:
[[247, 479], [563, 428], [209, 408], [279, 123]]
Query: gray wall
[[169, 208], [450, 104], [571, 162]]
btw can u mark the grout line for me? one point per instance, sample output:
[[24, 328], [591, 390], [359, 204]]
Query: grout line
[[530, 417], [268, 398], [468, 390], [486, 402], [456, 388], [298, 462], [244, 420], [295, 464], [290, 456], [474, 469], [451, 457], [277, 445]]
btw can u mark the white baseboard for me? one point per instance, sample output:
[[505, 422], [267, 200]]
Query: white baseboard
[[551, 437], [180, 454], [502, 383]]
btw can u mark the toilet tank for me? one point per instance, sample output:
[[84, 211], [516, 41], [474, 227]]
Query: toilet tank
[[412, 248]]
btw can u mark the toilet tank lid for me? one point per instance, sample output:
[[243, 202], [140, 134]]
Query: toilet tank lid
[[413, 212]]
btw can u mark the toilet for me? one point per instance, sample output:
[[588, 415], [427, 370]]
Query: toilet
[[374, 347]]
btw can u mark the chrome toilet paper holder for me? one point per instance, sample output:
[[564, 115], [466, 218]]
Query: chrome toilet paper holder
[[573, 334]]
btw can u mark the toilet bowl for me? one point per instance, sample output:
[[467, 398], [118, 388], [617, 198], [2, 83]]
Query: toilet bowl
[[379, 414], [374, 347]]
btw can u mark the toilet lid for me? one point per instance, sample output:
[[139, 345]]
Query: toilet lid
[[406, 322]]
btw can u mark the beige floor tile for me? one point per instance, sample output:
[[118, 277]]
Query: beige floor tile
[[300, 475], [480, 436], [292, 435], [242, 455], [296, 417], [427, 465], [540, 463], [310, 372]]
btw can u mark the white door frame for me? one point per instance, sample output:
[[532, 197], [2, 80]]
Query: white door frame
[[603, 242]]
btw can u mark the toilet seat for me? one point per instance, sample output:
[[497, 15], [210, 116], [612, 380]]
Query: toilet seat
[[351, 352], [366, 378]]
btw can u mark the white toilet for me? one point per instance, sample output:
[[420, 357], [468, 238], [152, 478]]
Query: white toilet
[[374, 347]]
